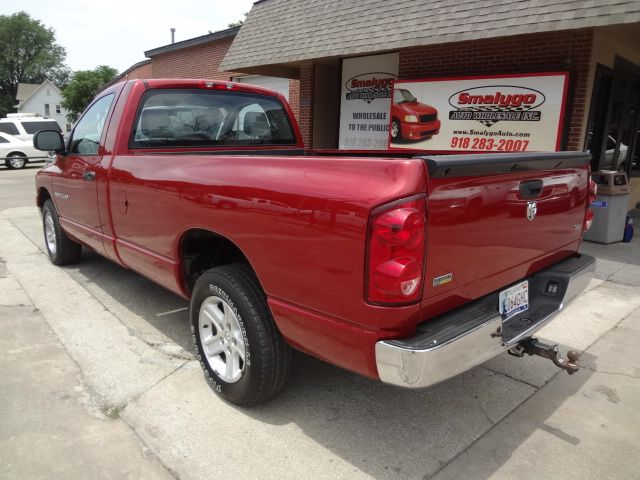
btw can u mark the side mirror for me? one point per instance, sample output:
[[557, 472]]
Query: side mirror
[[49, 141]]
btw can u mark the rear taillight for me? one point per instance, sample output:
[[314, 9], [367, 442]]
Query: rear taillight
[[591, 197], [593, 191], [588, 220], [395, 252]]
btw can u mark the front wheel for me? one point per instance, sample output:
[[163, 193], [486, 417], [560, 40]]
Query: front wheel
[[396, 133], [60, 248], [243, 355], [15, 161]]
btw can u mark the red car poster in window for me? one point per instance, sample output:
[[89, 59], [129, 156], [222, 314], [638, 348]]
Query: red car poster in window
[[505, 113]]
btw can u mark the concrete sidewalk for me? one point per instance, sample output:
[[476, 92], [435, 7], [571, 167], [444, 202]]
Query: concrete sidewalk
[[98, 382], [51, 425]]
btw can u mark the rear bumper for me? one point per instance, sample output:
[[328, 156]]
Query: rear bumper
[[471, 335]]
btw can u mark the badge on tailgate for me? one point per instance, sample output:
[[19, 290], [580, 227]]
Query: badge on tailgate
[[514, 300]]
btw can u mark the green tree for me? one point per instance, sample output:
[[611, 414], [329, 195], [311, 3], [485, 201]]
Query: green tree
[[83, 86], [238, 23], [28, 54]]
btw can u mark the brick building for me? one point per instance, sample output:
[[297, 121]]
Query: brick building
[[596, 44], [200, 57], [141, 69]]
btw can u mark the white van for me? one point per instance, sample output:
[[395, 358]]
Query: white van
[[24, 125]]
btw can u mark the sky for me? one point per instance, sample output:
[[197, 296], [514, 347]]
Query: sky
[[118, 32]]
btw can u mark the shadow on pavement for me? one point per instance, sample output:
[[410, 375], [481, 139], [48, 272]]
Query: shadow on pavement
[[391, 433], [160, 308], [384, 431]]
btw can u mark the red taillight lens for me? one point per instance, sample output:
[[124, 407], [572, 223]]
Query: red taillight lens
[[588, 220], [401, 227], [591, 197], [593, 191], [395, 252]]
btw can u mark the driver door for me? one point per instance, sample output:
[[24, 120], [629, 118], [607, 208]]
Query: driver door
[[75, 188]]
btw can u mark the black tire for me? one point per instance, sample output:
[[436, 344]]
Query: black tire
[[267, 365], [65, 251], [19, 160], [395, 127]]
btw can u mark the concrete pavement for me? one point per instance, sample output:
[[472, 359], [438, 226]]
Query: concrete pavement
[[98, 381]]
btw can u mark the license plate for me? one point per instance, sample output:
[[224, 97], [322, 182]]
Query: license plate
[[514, 300]]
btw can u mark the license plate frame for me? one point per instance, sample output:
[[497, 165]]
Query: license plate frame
[[514, 300]]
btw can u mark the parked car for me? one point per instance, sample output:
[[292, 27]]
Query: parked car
[[24, 125], [17, 153], [620, 164], [337, 255], [410, 119]]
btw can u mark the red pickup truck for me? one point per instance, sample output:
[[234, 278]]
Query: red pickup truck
[[405, 269], [412, 120]]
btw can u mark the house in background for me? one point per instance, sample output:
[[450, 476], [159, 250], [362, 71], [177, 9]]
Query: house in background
[[44, 99]]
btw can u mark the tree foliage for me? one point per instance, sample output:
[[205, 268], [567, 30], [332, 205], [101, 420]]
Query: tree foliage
[[83, 86], [28, 54], [239, 22]]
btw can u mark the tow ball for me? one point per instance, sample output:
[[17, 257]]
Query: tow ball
[[533, 346]]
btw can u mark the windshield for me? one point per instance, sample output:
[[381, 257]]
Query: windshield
[[403, 96]]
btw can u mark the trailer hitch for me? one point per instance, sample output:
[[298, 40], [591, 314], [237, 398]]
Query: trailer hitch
[[533, 346]]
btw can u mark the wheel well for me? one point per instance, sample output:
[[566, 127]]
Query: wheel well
[[20, 154], [201, 250], [43, 196]]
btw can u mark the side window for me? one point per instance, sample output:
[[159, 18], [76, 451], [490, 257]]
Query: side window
[[33, 127], [86, 136], [3, 140], [8, 127]]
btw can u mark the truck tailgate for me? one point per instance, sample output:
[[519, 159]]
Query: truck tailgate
[[494, 219]]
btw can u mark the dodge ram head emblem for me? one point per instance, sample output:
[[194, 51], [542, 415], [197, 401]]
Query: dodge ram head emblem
[[532, 209]]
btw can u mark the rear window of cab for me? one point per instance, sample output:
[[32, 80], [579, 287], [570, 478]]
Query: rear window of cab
[[202, 118]]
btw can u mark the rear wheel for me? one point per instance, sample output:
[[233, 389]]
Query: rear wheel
[[15, 161], [60, 248], [243, 355]]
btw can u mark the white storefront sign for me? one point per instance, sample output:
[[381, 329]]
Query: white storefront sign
[[365, 101], [480, 114]]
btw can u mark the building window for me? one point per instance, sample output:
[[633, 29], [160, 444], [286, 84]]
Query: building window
[[58, 110], [47, 110], [613, 129]]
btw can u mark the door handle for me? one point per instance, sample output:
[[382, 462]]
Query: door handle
[[530, 188], [89, 176]]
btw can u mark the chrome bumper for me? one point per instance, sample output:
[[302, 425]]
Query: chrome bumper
[[471, 335]]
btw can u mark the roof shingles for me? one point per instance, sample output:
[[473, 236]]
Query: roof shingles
[[25, 90], [284, 31]]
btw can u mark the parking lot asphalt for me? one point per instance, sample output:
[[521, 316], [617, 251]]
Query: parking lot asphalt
[[98, 381]]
